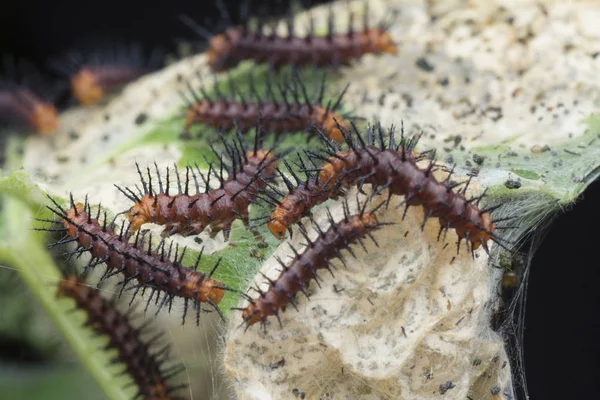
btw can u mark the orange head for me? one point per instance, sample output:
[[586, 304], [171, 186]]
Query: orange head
[[485, 234], [195, 113], [190, 117], [367, 220], [210, 290], [220, 48], [261, 154], [140, 213], [330, 171], [44, 118], [86, 88], [331, 128], [267, 160], [328, 174], [74, 214], [487, 223], [158, 391], [381, 41], [251, 316], [67, 285], [277, 225]]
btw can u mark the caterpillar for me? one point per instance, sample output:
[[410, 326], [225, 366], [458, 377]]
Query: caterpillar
[[91, 82], [278, 113], [144, 363], [23, 107], [300, 198], [393, 167], [318, 254], [239, 43], [93, 76], [26, 99], [217, 208], [151, 268]]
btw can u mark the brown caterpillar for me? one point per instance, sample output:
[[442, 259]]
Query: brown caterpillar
[[22, 106], [144, 365], [26, 99], [152, 269], [278, 114], [90, 84], [236, 44], [298, 201], [93, 75], [394, 167], [317, 255], [187, 214]]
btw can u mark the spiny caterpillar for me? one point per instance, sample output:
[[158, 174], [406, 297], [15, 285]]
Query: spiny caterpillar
[[300, 198], [92, 76], [236, 44], [152, 269], [143, 364], [318, 254], [292, 110], [90, 84], [393, 167], [21, 106], [26, 99], [187, 214]]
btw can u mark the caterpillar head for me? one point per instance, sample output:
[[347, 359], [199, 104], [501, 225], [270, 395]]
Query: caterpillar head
[[330, 123], [367, 221], [220, 50], [381, 41], [267, 159], [67, 285], [194, 114], [158, 391], [210, 290], [277, 225], [74, 215], [140, 213], [44, 118], [330, 171], [483, 233], [86, 88], [252, 314]]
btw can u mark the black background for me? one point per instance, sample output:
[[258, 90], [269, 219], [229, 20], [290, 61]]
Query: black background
[[562, 326], [42, 29]]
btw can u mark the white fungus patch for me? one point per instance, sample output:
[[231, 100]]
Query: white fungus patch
[[401, 321], [489, 71]]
